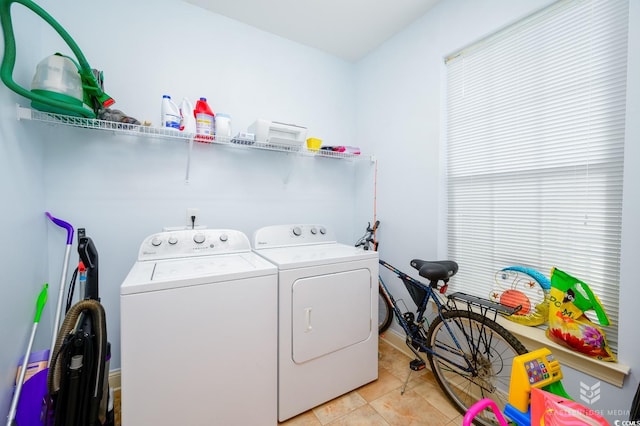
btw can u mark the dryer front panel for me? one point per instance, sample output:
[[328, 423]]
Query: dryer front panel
[[330, 312]]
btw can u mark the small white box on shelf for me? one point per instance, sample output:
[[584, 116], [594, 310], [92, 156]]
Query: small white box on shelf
[[277, 133]]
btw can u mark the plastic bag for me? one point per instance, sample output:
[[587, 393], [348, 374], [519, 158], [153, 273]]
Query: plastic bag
[[568, 325], [552, 410], [526, 287]]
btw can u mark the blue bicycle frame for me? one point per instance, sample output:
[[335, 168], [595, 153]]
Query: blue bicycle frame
[[412, 333]]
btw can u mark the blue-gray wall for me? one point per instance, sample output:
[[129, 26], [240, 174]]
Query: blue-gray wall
[[122, 188], [400, 107]]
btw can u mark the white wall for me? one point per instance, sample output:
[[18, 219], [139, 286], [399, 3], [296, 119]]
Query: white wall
[[400, 109], [123, 188]]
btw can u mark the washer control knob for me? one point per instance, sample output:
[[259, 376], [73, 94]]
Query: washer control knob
[[314, 231], [173, 240], [198, 238], [323, 230], [156, 241], [297, 231], [224, 237]]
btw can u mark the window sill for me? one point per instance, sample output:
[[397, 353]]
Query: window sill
[[534, 338]]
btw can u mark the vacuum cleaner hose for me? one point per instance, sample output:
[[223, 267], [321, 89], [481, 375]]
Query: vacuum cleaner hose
[[99, 329]]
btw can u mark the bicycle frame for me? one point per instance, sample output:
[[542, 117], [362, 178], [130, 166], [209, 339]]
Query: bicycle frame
[[430, 295]]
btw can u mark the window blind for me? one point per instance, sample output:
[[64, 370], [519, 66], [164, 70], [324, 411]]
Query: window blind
[[535, 149]]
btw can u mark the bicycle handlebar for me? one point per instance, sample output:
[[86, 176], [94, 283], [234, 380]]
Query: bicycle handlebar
[[369, 237]]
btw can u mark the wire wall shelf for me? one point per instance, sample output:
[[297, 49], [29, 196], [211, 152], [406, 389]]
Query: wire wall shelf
[[167, 133]]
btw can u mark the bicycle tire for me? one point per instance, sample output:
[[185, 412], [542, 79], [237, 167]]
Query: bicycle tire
[[385, 313], [493, 371]]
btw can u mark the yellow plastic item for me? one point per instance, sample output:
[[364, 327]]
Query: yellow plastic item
[[314, 144], [535, 369]]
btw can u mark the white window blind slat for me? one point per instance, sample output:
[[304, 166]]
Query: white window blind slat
[[535, 148]]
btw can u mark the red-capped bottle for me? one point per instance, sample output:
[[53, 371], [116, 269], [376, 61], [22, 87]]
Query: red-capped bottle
[[204, 121]]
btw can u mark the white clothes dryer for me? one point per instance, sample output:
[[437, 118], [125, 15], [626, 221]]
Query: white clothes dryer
[[199, 332], [327, 314]]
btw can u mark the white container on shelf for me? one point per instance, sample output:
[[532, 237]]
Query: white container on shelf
[[170, 113], [277, 133], [187, 114], [223, 126]]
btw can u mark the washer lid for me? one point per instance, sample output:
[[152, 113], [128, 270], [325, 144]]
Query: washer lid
[[148, 276], [314, 255]]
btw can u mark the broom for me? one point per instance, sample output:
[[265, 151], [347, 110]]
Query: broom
[[42, 300]]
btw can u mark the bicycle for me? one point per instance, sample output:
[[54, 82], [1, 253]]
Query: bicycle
[[368, 242], [469, 353]]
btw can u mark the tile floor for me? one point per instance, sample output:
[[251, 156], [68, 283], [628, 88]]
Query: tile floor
[[380, 403]]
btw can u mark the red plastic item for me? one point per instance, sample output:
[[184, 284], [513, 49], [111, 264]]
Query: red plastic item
[[204, 121]]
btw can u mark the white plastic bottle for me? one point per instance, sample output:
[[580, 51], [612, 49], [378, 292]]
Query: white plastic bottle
[[223, 127], [188, 123], [170, 113]]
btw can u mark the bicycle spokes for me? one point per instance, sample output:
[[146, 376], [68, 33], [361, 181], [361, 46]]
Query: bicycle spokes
[[472, 358]]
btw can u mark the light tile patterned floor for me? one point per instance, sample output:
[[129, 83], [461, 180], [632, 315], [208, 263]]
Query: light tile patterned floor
[[380, 403]]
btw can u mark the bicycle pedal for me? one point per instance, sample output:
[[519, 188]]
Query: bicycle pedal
[[417, 365]]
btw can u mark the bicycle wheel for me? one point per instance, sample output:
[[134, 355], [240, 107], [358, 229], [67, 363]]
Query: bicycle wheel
[[385, 314], [488, 348]]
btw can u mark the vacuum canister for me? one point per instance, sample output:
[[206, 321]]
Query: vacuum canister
[[57, 78]]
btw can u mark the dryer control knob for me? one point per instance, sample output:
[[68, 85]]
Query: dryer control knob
[[297, 231], [156, 241], [198, 238], [323, 230], [172, 240], [224, 237], [314, 231]]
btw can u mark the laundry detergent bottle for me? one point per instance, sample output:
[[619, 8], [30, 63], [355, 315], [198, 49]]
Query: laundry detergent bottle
[[204, 121], [170, 113], [187, 114]]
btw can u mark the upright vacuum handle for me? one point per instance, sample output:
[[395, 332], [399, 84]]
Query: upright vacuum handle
[[89, 256]]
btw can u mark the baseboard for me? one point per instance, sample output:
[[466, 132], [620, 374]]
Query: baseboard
[[398, 341]]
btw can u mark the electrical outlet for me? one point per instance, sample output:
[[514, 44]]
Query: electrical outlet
[[193, 218]]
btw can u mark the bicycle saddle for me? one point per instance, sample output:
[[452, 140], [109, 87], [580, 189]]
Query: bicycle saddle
[[435, 270]]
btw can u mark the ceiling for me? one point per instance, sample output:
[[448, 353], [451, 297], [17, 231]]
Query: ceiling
[[348, 29]]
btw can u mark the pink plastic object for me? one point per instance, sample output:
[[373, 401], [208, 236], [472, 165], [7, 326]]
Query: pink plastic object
[[478, 407]]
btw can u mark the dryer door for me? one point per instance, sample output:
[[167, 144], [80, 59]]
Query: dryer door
[[330, 312]]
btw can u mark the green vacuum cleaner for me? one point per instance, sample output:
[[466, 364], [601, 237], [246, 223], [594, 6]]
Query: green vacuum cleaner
[[61, 84]]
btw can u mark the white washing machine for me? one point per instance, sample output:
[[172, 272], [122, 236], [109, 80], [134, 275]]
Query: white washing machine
[[327, 316], [199, 332]]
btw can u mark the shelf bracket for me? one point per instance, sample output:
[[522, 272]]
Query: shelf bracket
[[23, 113], [190, 149]]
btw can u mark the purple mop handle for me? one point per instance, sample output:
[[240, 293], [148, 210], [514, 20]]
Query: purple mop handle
[[63, 279], [62, 224]]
